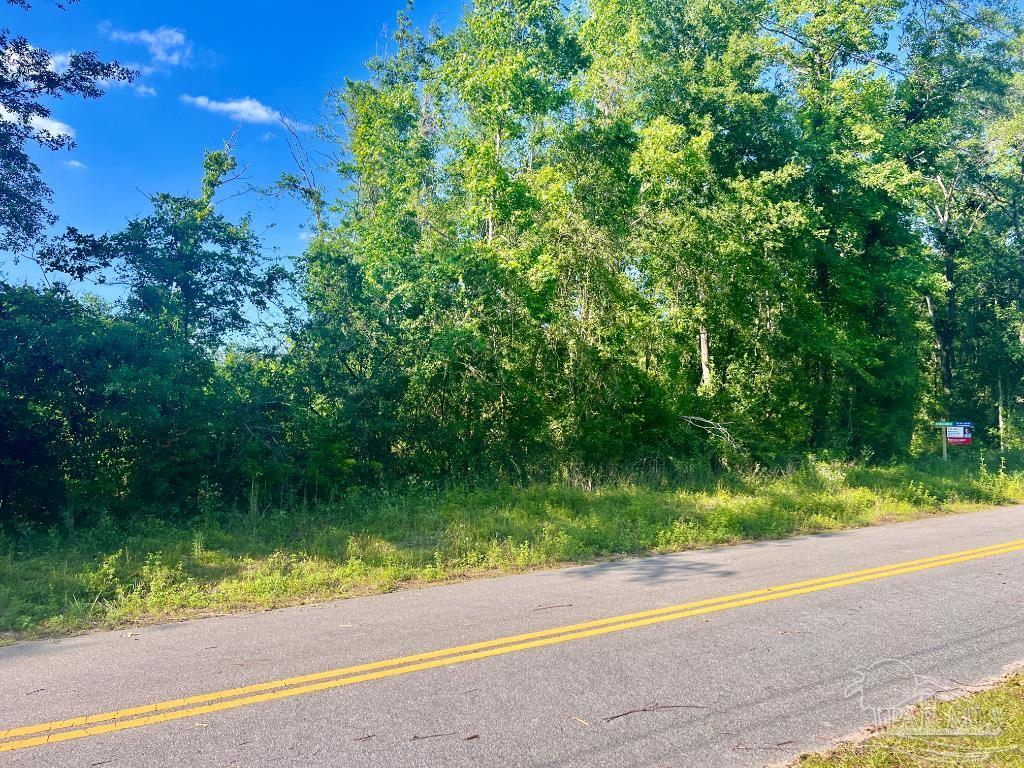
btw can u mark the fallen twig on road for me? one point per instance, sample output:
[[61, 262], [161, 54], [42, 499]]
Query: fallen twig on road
[[654, 708], [431, 736]]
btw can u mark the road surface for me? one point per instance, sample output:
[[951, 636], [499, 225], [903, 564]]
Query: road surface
[[739, 656]]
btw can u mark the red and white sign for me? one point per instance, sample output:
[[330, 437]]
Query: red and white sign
[[961, 434]]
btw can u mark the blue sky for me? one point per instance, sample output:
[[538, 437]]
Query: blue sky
[[207, 69]]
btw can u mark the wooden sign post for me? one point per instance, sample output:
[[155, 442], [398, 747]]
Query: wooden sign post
[[943, 426], [955, 433]]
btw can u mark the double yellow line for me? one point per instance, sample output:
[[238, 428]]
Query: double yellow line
[[233, 698]]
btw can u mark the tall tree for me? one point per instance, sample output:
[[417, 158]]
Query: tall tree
[[186, 267], [29, 76], [958, 60]]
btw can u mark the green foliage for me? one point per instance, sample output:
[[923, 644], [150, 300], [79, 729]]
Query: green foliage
[[189, 272], [114, 573], [28, 81], [556, 244], [572, 238], [118, 408]]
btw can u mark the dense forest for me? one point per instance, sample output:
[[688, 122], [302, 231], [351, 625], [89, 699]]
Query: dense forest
[[555, 243]]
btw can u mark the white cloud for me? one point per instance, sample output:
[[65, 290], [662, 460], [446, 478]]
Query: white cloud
[[143, 70], [75, 165], [268, 136], [15, 61], [141, 89], [168, 46], [59, 62], [49, 125], [40, 124], [246, 110]]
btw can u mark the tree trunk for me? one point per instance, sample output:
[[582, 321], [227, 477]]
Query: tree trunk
[[949, 325], [822, 373], [490, 203], [943, 344], [1002, 423], [705, 358], [945, 327]]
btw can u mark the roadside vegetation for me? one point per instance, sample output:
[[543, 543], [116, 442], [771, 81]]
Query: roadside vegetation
[[985, 728], [543, 245], [540, 244], [112, 574]]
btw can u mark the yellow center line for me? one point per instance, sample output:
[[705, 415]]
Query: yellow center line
[[318, 676], [295, 686]]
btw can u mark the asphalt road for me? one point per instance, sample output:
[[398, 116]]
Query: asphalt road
[[751, 680]]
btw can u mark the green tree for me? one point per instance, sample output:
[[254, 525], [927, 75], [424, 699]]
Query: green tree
[[959, 62], [28, 81], [185, 266], [133, 395]]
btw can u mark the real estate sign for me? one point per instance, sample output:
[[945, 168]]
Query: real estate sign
[[955, 433], [960, 433]]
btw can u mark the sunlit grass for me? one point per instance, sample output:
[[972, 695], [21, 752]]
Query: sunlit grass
[[984, 729], [371, 542]]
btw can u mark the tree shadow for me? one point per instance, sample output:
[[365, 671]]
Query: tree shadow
[[373, 542], [655, 569]]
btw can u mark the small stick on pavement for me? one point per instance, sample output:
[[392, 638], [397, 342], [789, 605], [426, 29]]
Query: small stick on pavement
[[654, 708], [431, 736], [737, 747], [549, 607], [365, 738]]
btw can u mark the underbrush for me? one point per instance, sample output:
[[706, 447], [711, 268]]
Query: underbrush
[[115, 574]]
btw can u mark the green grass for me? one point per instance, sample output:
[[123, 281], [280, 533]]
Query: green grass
[[111, 575], [984, 729]]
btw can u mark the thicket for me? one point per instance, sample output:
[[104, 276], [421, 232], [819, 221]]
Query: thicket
[[638, 234]]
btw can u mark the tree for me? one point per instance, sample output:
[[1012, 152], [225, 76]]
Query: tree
[[28, 77], [186, 267], [563, 243], [957, 76], [137, 404]]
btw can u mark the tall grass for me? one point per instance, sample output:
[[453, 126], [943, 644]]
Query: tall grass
[[369, 542]]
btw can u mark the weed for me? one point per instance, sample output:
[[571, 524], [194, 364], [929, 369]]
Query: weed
[[110, 574]]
